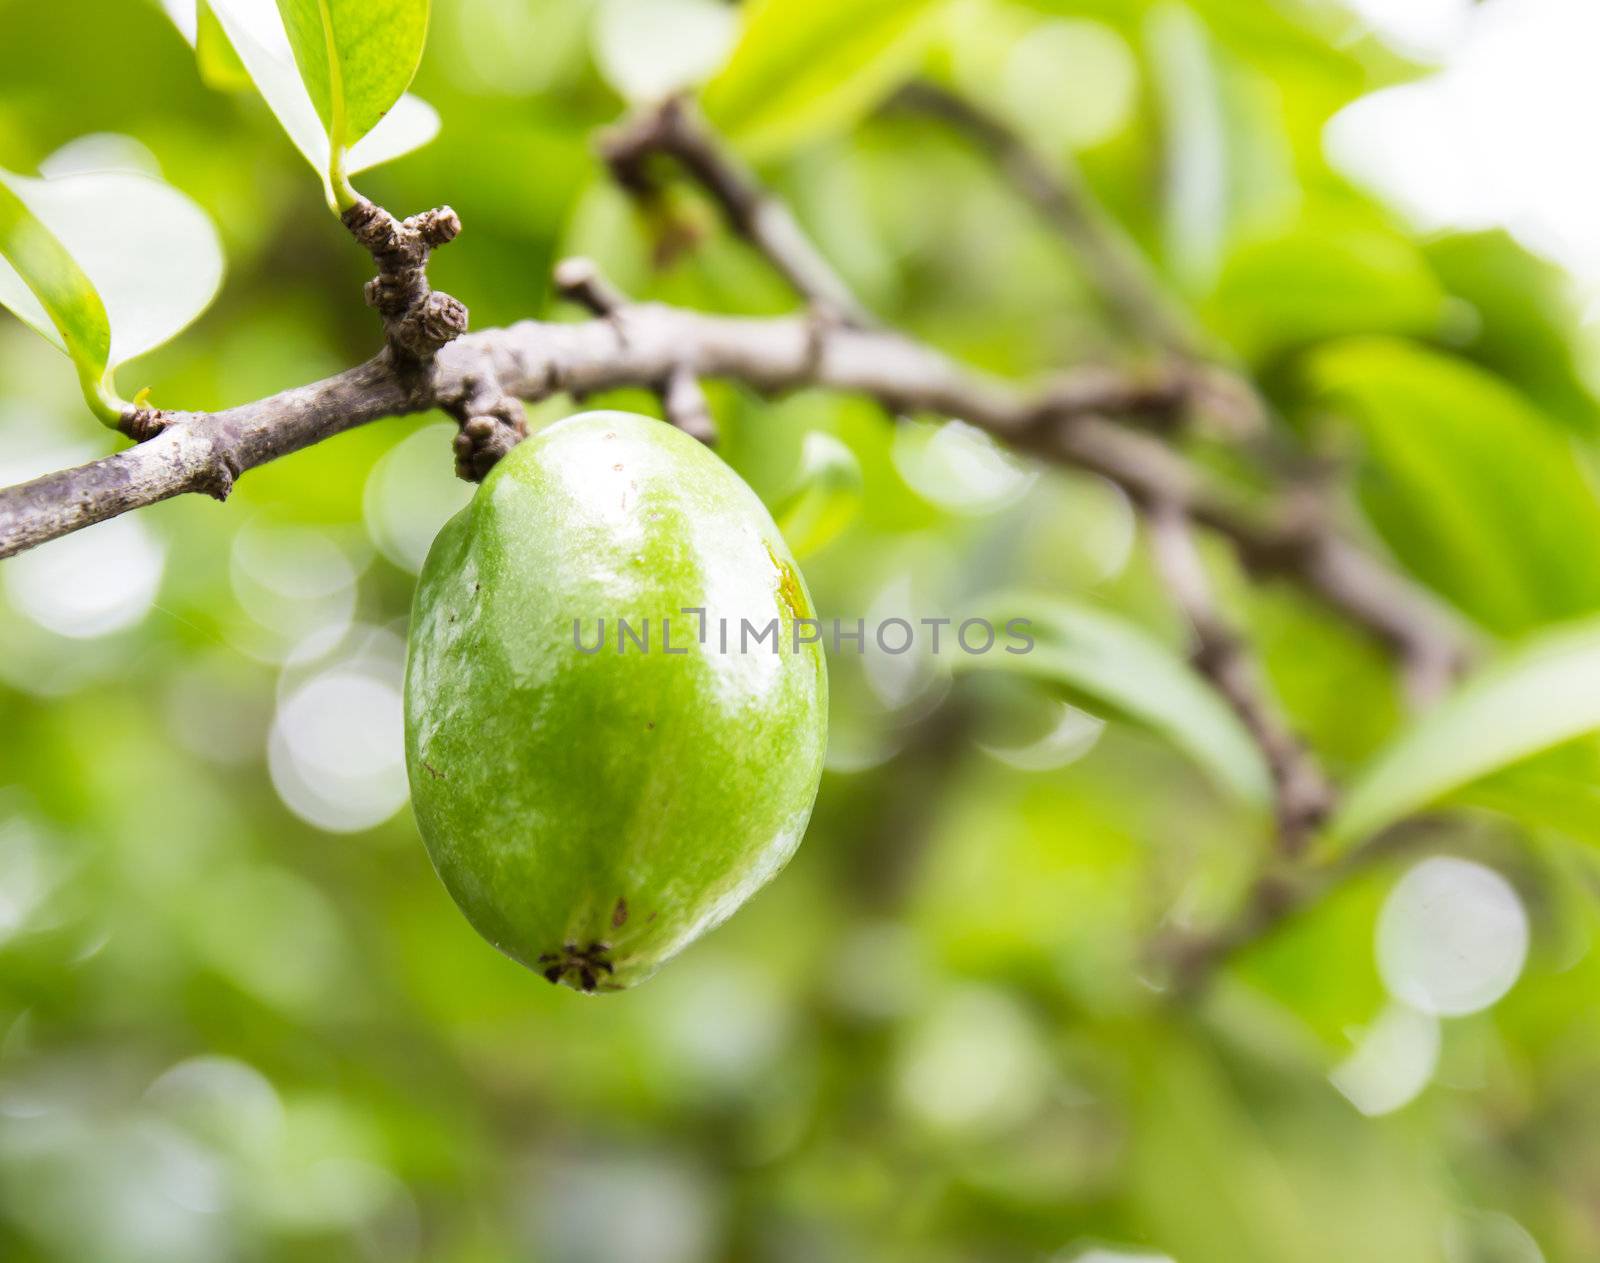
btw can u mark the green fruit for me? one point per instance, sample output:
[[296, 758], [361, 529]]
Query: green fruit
[[595, 812]]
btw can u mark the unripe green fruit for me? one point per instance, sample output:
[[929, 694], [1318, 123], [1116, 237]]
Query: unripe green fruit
[[594, 812]]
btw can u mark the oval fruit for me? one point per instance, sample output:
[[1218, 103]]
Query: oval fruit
[[596, 798]]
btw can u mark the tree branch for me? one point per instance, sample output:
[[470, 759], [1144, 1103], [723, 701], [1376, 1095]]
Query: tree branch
[[1304, 542], [481, 378], [674, 130], [643, 345], [1428, 661], [640, 345], [1302, 793], [1289, 541], [417, 320], [683, 402], [1190, 959]]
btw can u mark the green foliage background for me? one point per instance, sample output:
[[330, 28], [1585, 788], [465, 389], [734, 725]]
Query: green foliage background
[[225, 1033]]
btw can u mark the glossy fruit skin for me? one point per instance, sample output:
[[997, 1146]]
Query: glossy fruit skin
[[594, 813]]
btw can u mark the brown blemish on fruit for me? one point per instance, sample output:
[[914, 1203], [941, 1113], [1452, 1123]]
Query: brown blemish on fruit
[[619, 914], [433, 771], [580, 968], [650, 724], [790, 592]]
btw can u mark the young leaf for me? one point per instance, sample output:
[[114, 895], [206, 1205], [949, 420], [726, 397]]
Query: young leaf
[[40, 282], [144, 262], [803, 69], [256, 32], [1110, 663], [1544, 693], [356, 59], [827, 497], [1479, 494]]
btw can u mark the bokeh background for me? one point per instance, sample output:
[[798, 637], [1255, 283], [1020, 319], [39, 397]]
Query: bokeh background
[[239, 1017]]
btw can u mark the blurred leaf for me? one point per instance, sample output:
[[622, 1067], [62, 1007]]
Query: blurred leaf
[[1478, 493], [1296, 1155], [1337, 927], [1039, 875], [1321, 282], [48, 291], [262, 43], [149, 256], [827, 497], [1543, 693], [1188, 85], [1228, 169], [1528, 325], [800, 71], [1559, 789], [1111, 663], [220, 67], [356, 59]]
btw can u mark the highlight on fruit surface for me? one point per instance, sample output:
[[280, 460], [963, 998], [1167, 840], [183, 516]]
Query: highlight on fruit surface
[[609, 749]]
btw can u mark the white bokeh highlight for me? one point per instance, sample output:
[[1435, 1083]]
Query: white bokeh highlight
[[1074, 733], [975, 1066], [1479, 1235], [1071, 82], [1392, 1063], [899, 679], [648, 49], [645, 1208], [101, 151], [958, 467], [1452, 937], [1106, 1254], [293, 582], [91, 583], [1488, 140], [337, 749], [411, 494], [1424, 29], [29, 873]]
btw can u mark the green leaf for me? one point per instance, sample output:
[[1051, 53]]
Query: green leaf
[[1322, 281], [1295, 1154], [1227, 165], [257, 35], [827, 497], [802, 70], [1188, 82], [1109, 663], [1527, 321], [1558, 790], [356, 59], [45, 287], [220, 66], [144, 262], [1478, 493], [1538, 696]]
